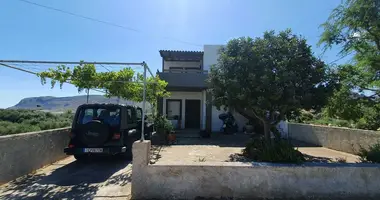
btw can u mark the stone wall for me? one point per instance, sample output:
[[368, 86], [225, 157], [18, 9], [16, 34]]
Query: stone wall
[[250, 180], [23, 153], [337, 138]]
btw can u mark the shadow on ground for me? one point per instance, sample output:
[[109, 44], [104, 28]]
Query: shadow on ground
[[72, 181], [218, 139], [155, 153]]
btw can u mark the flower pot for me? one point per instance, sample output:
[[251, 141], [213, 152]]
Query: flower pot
[[171, 137]]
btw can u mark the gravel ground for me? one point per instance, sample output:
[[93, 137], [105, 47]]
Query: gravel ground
[[228, 148]]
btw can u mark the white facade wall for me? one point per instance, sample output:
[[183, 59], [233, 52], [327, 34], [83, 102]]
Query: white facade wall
[[190, 96], [210, 55], [184, 64], [216, 123]]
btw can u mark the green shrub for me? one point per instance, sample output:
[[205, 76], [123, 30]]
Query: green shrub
[[21, 121], [160, 122], [281, 151], [370, 155]]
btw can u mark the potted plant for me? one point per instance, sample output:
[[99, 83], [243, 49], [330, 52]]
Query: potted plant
[[163, 127]]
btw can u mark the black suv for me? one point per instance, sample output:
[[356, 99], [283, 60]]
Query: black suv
[[105, 129]]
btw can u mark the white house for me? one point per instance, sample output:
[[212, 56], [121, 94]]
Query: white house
[[186, 72]]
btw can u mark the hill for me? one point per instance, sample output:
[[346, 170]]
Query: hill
[[50, 103]]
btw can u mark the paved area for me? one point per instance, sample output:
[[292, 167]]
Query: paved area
[[103, 178], [225, 147]]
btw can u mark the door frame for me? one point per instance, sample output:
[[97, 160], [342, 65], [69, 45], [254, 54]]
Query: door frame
[[200, 112], [180, 107]]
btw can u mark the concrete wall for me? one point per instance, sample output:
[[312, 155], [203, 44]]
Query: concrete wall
[[338, 138], [23, 153], [250, 180]]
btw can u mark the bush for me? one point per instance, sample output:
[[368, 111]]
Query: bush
[[279, 152], [21, 121], [370, 155], [160, 122]]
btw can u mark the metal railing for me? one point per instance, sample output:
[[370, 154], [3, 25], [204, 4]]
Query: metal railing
[[184, 70]]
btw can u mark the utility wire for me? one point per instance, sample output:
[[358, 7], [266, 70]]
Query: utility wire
[[103, 22], [34, 73], [105, 68]]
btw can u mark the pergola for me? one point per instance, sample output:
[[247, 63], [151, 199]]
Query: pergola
[[35, 67]]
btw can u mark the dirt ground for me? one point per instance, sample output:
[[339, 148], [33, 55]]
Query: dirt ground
[[225, 148]]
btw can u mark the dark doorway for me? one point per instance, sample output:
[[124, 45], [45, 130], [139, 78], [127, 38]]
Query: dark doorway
[[192, 113]]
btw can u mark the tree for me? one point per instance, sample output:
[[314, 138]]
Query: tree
[[122, 84], [155, 88], [355, 26], [263, 76]]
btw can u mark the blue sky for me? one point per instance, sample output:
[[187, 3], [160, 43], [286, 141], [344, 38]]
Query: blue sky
[[34, 33]]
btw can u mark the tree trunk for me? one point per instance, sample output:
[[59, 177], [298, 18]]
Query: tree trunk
[[88, 93], [266, 130]]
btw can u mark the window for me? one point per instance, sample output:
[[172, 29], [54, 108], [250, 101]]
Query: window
[[129, 116], [110, 116], [139, 114]]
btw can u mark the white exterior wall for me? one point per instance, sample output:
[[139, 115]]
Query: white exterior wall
[[191, 96], [240, 120], [168, 64], [203, 124], [210, 55], [216, 123]]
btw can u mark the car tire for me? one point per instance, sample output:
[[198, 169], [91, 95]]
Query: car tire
[[81, 158]]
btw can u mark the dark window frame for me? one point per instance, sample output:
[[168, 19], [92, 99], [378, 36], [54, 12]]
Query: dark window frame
[[180, 107]]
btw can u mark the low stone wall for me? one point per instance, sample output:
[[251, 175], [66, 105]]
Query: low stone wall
[[250, 180], [23, 153], [337, 138]]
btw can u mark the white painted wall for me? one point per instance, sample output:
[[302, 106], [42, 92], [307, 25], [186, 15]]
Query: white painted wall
[[168, 64], [216, 123], [210, 55], [183, 96], [240, 120], [203, 124]]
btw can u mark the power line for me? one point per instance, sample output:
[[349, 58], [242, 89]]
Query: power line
[[105, 68], [103, 22], [67, 62], [34, 73]]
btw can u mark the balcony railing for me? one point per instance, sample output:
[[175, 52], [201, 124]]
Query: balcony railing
[[184, 78], [184, 70]]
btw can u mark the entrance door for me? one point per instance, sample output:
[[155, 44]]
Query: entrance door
[[192, 113]]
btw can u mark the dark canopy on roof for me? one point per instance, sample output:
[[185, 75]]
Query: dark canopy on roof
[[170, 55]]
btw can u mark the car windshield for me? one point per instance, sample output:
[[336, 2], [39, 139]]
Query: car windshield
[[109, 116]]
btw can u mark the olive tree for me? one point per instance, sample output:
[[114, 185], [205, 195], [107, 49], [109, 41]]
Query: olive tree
[[264, 76]]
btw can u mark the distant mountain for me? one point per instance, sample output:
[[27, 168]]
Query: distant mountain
[[67, 103]]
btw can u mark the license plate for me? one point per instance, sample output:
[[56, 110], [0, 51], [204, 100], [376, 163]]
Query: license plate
[[93, 150]]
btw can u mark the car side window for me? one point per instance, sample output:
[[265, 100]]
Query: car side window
[[129, 116], [139, 114]]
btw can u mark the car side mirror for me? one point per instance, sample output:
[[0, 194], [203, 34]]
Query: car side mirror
[[145, 117]]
